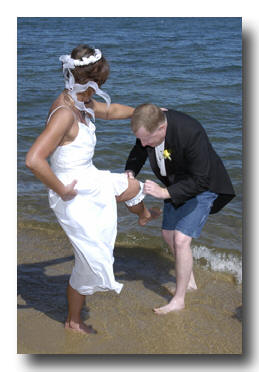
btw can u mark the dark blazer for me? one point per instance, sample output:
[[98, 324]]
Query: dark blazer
[[194, 166]]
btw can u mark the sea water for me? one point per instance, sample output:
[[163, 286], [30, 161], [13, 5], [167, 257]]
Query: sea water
[[189, 64]]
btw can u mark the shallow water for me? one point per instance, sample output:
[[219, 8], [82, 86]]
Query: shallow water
[[211, 323]]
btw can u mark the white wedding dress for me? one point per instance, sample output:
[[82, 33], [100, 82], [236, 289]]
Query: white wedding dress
[[90, 218]]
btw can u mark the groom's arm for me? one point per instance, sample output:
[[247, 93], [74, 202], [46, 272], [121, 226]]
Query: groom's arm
[[137, 158], [196, 178]]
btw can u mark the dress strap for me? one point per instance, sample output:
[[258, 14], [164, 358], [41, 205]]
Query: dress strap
[[56, 109]]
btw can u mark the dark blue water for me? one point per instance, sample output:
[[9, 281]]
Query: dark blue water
[[189, 64]]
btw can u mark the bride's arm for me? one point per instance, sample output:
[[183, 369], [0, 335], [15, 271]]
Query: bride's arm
[[113, 112], [36, 158]]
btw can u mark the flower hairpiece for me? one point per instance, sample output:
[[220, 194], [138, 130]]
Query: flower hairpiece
[[167, 154], [74, 88], [69, 62]]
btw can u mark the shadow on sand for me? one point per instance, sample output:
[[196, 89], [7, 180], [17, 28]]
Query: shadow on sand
[[47, 294]]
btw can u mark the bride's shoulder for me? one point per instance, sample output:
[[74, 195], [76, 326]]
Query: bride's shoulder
[[61, 108]]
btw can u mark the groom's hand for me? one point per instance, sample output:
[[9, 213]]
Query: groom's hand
[[152, 188], [130, 174]]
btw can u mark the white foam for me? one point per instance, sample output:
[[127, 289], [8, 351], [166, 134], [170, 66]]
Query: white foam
[[219, 261]]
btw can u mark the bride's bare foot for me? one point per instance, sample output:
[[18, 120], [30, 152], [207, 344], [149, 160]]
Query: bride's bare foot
[[80, 327], [174, 305], [148, 215]]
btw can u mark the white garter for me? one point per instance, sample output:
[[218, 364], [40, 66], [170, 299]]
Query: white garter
[[138, 198]]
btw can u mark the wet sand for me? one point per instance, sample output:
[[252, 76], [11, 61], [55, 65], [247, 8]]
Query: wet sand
[[211, 323]]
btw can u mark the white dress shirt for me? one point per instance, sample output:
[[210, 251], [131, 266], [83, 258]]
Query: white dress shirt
[[160, 158]]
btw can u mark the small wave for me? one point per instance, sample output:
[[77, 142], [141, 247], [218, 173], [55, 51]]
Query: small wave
[[219, 261]]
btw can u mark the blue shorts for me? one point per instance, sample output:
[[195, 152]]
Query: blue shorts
[[190, 217]]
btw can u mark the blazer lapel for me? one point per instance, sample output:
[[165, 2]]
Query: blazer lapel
[[154, 166], [152, 158], [170, 146]]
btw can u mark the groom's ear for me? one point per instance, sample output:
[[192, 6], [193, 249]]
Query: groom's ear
[[162, 126]]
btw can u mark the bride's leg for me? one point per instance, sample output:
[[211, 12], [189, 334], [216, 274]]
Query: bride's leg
[[132, 190], [75, 304], [135, 206], [145, 215]]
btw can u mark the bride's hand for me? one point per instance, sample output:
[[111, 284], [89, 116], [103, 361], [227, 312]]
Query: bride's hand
[[70, 191]]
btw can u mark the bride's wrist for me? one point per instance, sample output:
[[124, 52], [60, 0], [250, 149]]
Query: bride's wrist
[[61, 191]]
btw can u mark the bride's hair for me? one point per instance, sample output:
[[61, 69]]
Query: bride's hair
[[97, 71]]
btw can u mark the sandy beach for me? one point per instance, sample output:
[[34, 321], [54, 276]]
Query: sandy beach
[[211, 323], [199, 73]]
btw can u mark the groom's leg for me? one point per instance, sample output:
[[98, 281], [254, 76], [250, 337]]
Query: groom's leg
[[187, 222], [183, 269], [169, 236]]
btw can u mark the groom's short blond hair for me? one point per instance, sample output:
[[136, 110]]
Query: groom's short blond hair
[[148, 116]]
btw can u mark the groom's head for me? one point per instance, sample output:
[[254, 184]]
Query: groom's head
[[149, 124]]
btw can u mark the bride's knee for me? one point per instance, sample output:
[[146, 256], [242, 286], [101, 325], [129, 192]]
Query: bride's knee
[[130, 192]]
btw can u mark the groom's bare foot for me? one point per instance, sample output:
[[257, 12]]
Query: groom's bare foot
[[80, 327], [148, 215], [174, 305]]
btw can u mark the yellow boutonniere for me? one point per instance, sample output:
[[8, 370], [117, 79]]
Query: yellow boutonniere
[[167, 154]]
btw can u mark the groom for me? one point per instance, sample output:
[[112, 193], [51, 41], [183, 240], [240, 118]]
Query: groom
[[195, 181]]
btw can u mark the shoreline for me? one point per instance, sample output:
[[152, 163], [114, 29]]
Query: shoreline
[[211, 322]]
